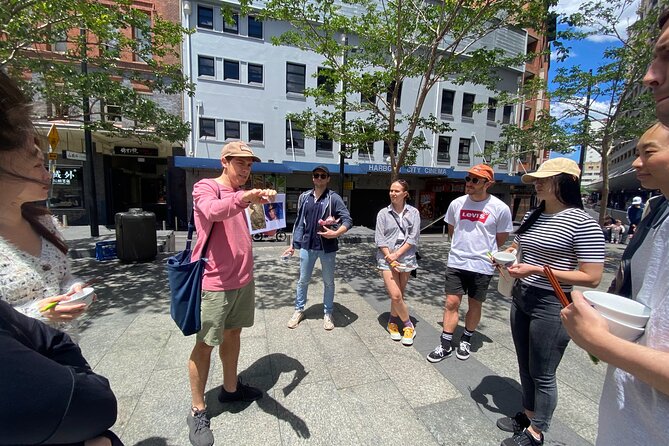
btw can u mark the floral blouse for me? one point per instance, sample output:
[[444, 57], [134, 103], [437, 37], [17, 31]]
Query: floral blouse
[[26, 279]]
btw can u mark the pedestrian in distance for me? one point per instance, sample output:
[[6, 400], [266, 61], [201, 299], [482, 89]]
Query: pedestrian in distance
[[634, 406], [228, 289], [322, 217], [634, 212], [396, 236], [478, 224], [560, 234], [50, 395], [34, 269]]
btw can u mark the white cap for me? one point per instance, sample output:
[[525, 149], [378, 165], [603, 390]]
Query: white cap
[[636, 200]]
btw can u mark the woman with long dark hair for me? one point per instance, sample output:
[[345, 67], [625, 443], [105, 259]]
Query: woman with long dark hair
[[560, 234], [34, 270], [396, 236]]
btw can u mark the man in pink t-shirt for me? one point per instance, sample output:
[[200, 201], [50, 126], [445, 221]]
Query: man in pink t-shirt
[[228, 291]]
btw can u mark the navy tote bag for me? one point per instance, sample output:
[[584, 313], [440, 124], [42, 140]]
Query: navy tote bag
[[185, 280]]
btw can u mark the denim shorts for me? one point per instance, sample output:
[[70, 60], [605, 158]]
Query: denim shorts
[[224, 310], [461, 282]]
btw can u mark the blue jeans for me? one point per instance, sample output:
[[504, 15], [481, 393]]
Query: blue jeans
[[307, 261], [540, 341]]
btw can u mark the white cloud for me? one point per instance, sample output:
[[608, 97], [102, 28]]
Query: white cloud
[[597, 108], [628, 16]]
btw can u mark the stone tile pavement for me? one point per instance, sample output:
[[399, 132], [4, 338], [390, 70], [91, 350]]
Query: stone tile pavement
[[350, 386]]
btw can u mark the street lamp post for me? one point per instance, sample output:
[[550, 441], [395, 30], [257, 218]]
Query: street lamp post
[[342, 145], [91, 195]]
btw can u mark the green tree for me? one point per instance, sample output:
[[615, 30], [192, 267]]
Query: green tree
[[29, 29], [386, 43], [619, 109]]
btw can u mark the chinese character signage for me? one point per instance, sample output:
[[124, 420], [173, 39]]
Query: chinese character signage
[[135, 151]]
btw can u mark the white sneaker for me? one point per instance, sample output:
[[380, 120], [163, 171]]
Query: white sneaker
[[295, 319], [328, 321]]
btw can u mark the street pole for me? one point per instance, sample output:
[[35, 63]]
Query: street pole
[[342, 145], [586, 129], [91, 197]]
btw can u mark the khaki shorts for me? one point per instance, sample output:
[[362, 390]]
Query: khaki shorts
[[224, 310]]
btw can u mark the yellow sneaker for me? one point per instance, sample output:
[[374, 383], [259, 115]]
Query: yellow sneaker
[[409, 334], [394, 331]]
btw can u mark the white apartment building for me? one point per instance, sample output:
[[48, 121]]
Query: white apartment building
[[246, 86]]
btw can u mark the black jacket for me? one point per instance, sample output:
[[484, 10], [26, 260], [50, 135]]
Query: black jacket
[[48, 392]]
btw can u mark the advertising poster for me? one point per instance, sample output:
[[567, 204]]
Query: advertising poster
[[267, 217], [426, 205]]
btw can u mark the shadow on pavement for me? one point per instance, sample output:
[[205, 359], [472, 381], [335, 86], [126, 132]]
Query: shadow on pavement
[[280, 363], [497, 394], [153, 441]]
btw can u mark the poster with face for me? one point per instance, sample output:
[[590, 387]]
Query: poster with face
[[267, 217]]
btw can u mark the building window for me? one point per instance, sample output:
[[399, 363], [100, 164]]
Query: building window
[[389, 94], [230, 70], [325, 80], [205, 17], [113, 113], [506, 116], [323, 142], [468, 105], [294, 136], [205, 66], [255, 74], [256, 132], [232, 130], [386, 147], [67, 188], [207, 127], [232, 25], [255, 27], [144, 41], [492, 109], [463, 151], [295, 78], [444, 149], [503, 157], [447, 97]]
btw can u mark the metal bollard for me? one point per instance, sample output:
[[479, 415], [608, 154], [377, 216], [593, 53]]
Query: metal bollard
[[176, 223], [64, 220], [164, 225]]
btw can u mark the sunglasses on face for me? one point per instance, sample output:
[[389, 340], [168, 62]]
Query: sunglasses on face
[[474, 180], [322, 176]]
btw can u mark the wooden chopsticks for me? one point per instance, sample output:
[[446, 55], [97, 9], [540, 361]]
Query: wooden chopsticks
[[562, 297]]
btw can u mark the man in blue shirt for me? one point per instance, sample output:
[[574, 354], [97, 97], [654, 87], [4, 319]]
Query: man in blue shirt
[[321, 218]]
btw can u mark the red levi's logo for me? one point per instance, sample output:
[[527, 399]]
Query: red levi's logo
[[474, 215]]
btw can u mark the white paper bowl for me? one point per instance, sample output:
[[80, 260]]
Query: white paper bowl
[[618, 308], [504, 258], [623, 331], [84, 296]]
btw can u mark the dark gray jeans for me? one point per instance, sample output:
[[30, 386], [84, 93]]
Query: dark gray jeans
[[540, 341]]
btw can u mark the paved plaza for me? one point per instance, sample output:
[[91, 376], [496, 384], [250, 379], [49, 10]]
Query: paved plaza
[[350, 386]]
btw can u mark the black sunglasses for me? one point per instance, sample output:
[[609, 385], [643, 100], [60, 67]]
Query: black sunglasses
[[322, 176], [474, 180]]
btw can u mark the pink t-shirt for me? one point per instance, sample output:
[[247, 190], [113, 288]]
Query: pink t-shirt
[[229, 251]]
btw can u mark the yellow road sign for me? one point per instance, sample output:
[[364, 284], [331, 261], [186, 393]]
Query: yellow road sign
[[53, 156], [54, 137]]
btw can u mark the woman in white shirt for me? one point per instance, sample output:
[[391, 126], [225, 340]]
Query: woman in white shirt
[[396, 236], [34, 269]]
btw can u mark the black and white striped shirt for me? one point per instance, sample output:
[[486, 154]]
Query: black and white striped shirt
[[561, 241]]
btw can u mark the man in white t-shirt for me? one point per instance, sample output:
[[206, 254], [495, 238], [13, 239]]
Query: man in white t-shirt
[[478, 224]]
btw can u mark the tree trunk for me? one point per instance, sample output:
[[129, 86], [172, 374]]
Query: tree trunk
[[605, 179]]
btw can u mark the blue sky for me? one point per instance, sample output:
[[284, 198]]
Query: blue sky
[[586, 53]]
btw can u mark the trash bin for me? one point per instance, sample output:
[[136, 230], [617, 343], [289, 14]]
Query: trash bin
[[136, 239]]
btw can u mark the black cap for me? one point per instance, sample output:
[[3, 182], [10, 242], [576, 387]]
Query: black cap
[[323, 168]]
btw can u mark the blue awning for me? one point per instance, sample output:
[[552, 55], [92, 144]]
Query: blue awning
[[187, 162]]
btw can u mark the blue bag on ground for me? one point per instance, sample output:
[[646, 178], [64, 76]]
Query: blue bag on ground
[[185, 280]]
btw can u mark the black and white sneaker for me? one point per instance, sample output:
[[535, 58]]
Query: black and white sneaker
[[463, 350], [523, 438], [514, 424], [439, 353]]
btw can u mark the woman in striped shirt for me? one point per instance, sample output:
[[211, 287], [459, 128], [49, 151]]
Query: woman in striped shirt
[[559, 233]]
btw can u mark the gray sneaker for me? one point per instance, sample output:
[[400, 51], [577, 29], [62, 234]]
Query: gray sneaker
[[199, 432], [295, 319]]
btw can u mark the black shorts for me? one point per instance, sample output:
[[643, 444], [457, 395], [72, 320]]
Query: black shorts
[[460, 282]]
